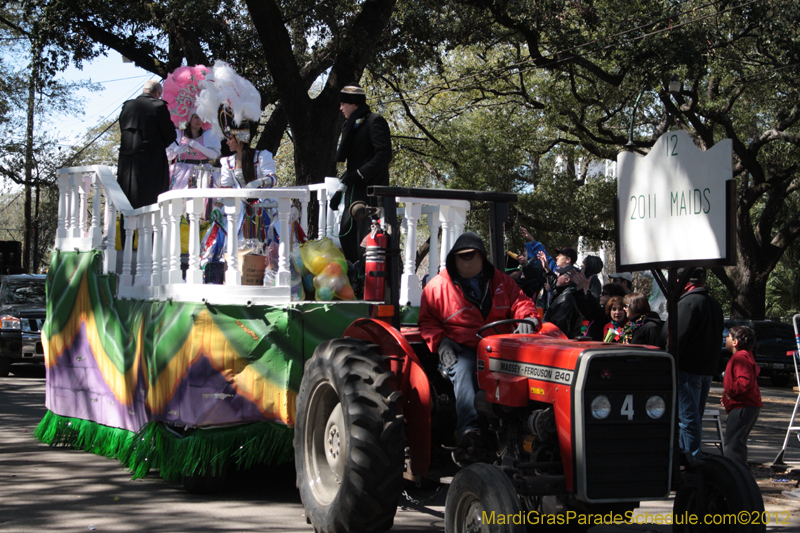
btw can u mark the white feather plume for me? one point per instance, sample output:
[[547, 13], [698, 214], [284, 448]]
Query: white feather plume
[[223, 86]]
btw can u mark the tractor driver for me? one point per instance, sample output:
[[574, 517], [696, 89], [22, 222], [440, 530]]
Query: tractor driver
[[467, 295]]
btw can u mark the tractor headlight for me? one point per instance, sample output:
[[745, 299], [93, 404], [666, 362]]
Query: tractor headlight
[[655, 407], [10, 322], [601, 407]]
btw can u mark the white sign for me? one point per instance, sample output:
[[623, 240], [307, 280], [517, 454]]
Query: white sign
[[672, 202]]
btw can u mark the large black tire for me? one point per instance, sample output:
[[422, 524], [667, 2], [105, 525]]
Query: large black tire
[[479, 490], [728, 488], [5, 365], [349, 440]]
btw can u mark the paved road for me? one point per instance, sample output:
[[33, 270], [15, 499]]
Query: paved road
[[44, 489]]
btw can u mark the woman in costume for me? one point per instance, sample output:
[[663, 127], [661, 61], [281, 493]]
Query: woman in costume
[[233, 106], [195, 144], [247, 168], [192, 147]]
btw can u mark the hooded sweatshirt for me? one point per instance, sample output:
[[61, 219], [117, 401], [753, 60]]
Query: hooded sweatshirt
[[456, 308], [740, 383]]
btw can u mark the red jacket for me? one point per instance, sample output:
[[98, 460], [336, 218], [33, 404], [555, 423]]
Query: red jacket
[[445, 312], [740, 383]]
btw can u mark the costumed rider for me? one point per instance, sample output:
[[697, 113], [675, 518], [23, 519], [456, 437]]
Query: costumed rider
[[467, 295], [366, 145], [233, 106], [196, 143]]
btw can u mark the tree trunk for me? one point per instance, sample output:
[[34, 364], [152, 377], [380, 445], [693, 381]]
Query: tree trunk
[[746, 281], [316, 136]]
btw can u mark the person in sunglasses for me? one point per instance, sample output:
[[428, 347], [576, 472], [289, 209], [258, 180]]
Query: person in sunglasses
[[563, 310], [467, 295]]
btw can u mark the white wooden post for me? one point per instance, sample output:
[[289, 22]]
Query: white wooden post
[[155, 222], [126, 279], [75, 207], [95, 230], [166, 241], [459, 219], [322, 215], [433, 250], [110, 252], [447, 236], [194, 208], [233, 275], [284, 278], [304, 214], [63, 206], [144, 257], [409, 283], [175, 212], [83, 203]]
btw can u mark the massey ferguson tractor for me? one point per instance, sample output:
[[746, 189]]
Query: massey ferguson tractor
[[580, 432]]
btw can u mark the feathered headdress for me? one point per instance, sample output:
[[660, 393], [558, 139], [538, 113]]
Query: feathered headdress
[[181, 89], [229, 102]]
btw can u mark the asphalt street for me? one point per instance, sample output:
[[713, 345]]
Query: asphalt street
[[44, 489]]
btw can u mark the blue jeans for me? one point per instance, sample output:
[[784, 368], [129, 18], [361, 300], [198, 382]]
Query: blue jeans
[[464, 377], [692, 396]]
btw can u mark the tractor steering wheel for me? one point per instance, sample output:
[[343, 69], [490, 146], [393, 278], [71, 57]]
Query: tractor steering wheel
[[493, 325]]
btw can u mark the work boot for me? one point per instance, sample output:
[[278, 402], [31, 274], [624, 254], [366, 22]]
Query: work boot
[[471, 449]]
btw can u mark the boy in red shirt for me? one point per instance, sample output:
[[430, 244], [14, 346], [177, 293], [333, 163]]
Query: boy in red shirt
[[742, 397]]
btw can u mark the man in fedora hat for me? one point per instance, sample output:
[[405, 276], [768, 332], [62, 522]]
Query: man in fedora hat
[[366, 146]]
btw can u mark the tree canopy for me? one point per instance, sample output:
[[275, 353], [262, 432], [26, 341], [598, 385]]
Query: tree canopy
[[526, 96]]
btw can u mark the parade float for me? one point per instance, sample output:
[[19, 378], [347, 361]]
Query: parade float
[[149, 365]]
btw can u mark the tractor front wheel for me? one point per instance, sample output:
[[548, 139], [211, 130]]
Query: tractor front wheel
[[482, 499], [349, 439], [725, 489]]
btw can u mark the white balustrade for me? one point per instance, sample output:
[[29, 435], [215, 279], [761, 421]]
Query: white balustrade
[[322, 209], [154, 271], [451, 215]]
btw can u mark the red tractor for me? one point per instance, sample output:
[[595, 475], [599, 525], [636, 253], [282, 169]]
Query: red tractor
[[579, 429]]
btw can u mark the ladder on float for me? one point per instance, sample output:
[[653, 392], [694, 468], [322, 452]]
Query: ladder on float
[[793, 422]]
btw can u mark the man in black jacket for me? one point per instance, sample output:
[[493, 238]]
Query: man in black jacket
[[366, 145], [563, 310], [700, 324], [143, 169]]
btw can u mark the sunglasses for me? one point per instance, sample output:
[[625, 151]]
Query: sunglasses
[[625, 306], [467, 256]]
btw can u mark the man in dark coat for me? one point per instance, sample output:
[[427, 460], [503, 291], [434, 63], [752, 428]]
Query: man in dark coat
[[143, 169], [700, 324], [366, 145]]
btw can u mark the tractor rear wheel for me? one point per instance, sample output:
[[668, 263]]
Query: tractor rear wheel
[[726, 489], [482, 499], [349, 439]]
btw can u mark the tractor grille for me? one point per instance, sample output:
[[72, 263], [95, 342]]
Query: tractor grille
[[627, 455]]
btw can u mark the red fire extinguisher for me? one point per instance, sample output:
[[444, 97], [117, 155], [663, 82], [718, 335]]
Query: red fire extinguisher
[[375, 261]]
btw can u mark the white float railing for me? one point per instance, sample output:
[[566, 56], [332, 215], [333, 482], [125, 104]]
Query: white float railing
[[78, 186], [156, 273], [450, 215], [90, 198]]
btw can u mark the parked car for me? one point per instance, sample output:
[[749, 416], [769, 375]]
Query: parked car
[[22, 312], [773, 341]]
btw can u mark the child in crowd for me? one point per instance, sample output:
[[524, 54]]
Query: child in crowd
[[741, 396]]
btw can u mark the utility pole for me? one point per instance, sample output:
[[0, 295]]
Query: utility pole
[[34, 77]]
